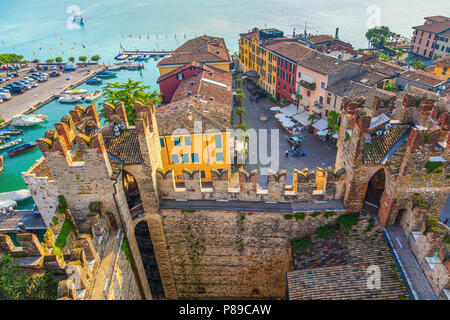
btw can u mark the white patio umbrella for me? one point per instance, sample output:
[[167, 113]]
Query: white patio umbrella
[[276, 108], [288, 124], [280, 116]]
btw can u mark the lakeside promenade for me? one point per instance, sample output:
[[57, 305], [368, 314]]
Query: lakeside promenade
[[45, 92]]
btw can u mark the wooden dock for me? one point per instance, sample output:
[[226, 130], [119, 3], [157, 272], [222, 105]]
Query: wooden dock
[[150, 53]]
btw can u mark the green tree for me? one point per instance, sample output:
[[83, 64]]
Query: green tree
[[436, 56], [312, 117], [240, 111], [128, 92], [82, 59], [96, 58], [10, 58], [36, 61], [16, 284], [240, 96], [50, 60], [298, 97], [59, 59], [418, 65], [238, 82], [333, 118], [378, 36], [72, 59], [242, 126]]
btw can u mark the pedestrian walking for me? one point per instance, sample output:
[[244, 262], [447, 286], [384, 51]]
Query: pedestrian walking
[[287, 153], [445, 221]]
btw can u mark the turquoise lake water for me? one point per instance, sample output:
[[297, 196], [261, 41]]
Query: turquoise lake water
[[39, 29]]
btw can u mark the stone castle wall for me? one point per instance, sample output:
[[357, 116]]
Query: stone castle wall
[[229, 254]]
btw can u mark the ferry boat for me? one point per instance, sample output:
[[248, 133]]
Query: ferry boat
[[10, 144], [69, 99], [23, 120], [94, 81], [75, 91], [11, 132], [106, 74], [93, 96], [22, 148], [2, 164]]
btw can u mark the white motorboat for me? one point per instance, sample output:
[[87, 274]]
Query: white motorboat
[[23, 120], [69, 99], [93, 96], [75, 91], [40, 116]]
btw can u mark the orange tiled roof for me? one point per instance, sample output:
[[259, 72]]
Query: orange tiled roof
[[294, 51], [436, 27], [320, 38], [444, 61], [202, 49], [422, 77]]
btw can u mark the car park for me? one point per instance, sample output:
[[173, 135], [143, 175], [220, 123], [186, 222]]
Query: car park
[[2, 80], [53, 68], [5, 95], [32, 70], [17, 89], [45, 67], [15, 75]]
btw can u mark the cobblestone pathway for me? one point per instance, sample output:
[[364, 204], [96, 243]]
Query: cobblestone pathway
[[415, 277]]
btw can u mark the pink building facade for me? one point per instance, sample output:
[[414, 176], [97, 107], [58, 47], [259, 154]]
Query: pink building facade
[[425, 36]]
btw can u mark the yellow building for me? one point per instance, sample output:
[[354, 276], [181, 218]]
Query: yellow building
[[193, 126], [211, 51], [442, 67], [203, 151], [253, 56]]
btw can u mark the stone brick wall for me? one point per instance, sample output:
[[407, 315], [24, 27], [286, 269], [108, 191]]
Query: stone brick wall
[[229, 254], [124, 285]]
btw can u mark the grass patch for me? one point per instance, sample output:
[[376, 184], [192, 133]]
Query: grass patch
[[432, 166], [126, 250], [315, 214], [54, 221], [66, 228], [62, 204], [299, 216], [370, 225], [288, 216], [299, 245], [347, 221], [329, 214], [326, 230], [187, 211]]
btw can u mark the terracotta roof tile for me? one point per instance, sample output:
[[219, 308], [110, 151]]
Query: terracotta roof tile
[[444, 61], [320, 38], [422, 77], [293, 51], [125, 147], [202, 49], [436, 27], [322, 63]]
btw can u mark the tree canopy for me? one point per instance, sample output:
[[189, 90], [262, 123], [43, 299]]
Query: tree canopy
[[129, 92], [16, 284], [96, 58], [378, 37]]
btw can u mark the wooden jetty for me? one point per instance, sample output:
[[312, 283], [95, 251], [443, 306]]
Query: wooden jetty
[[150, 53]]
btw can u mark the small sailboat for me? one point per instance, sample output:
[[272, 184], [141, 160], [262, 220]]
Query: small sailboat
[[21, 149], [25, 121], [11, 144], [2, 163], [69, 99], [106, 74], [11, 132], [93, 96], [94, 81], [75, 91]]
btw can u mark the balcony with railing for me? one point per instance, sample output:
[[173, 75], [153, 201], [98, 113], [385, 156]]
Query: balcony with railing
[[308, 85]]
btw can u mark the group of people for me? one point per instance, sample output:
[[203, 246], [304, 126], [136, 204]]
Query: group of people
[[7, 212]]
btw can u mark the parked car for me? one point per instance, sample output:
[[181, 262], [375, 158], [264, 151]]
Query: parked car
[[32, 70], [15, 74], [55, 74], [2, 80], [294, 140], [17, 89], [5, 95], [45, 67], [53, 68], [5, 90]]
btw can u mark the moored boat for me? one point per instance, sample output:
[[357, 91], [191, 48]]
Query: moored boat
[[106, 74], [122, 57], [69, 99], [23, 120], [94, 81], [2, 163], [22, 148], [11, 132], [40, 116], [93, 96], [75, 91], [114, 68], [11, 144], [4, 138]]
